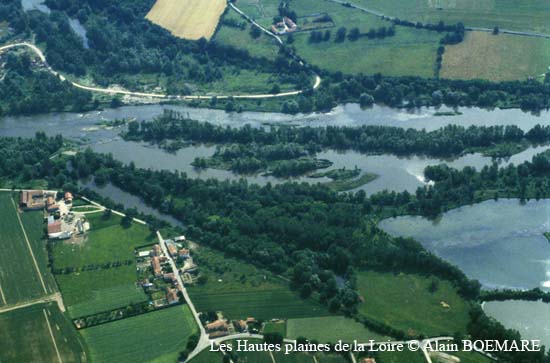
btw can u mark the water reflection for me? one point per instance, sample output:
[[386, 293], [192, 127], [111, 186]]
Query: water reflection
[[500, 243], [530, 318]]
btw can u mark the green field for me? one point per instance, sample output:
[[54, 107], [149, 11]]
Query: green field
[[154, 337], [497, 58], [401, 357], [107, 241], [330, 329], [19, 278], [280, 357], [330, 358], [279, 327], [258, 303], [25, 336], [471, 357], [241, 290], [90, 292], [265, 46], [206, 356], [416, 48], [507, 14], [405, 302], [33, 221]]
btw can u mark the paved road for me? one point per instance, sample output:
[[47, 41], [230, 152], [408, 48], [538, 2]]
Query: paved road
[[204, 341], [111, 91]]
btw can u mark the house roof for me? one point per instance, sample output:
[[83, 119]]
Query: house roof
[[54, 227], [215, 325]]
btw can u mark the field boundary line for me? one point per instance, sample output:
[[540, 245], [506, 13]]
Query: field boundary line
[[272, 357], [25, 304], [30, 248], [3, 296], [51, 334]]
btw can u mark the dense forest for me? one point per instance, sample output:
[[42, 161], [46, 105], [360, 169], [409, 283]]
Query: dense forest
[[27, 159], [413, 92], [249, 142], [24, 90]]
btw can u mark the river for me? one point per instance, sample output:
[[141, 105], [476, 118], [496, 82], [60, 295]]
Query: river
[[343, 115], [395, 173]]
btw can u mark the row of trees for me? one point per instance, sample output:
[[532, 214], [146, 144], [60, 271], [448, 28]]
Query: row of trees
[[264, 144], [413, 92]]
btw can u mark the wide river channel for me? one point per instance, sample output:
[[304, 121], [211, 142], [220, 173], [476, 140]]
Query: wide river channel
[[499, 243]]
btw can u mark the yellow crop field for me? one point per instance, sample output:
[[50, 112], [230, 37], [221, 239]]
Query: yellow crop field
[[189, 19], [500, 57]]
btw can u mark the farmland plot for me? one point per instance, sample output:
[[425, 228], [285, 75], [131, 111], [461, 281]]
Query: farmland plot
[[188, 19], [158, 336], [25, 336], [20, 279]]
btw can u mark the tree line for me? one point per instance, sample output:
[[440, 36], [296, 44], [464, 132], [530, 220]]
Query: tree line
[[447, 141]]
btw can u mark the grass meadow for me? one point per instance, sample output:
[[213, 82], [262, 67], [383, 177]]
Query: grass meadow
[[264, 46], [409, 52], [107, 241], [153, 337], [471, 357], [401, 357], [206, 356], [242, 290], [405, 302], [259, 303], [330, 329], [278, 327], [530, 15], [90, 292], [19, 278], [25, 336]]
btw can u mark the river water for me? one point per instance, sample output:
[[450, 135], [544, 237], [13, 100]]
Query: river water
[[395, 173], [344, 115]]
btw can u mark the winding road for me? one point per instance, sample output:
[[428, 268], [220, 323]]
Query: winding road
[[112, 91]]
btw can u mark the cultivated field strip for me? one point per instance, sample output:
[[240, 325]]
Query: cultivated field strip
[[30, 248], [51, 335], [20, 277], [188, 19]]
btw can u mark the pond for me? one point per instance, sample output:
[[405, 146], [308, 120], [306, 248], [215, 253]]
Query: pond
[[530, 318], [500, 243]]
